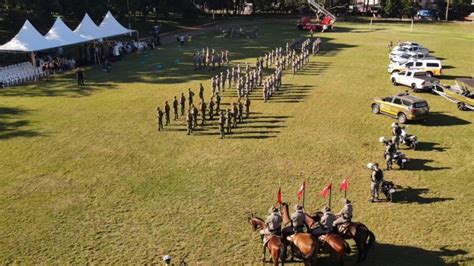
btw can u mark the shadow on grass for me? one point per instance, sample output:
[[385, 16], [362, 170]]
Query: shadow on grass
[[452, 77], [415, 195], [11, 126], [420, 164], [440, 119], [390, 254], [429, 146], [61, 88], [254, 127]]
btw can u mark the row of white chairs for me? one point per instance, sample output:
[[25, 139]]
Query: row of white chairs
[[20, 73]]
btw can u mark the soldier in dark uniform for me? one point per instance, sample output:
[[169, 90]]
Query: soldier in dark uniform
[[241, 111], [167, 113], [222, 124], [218, 103], [376, 180], [195, 116], [228, 121], [247, 106], [211, 108], [201, 92], [203, 112], [190, 96], [235, 115], [159, 115], [228, 78], [189, 122], [80, 76], [175, 108], [182, 102]]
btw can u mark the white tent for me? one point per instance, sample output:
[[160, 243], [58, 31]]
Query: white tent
[[112, 27], [88, 29], [61, 35], [28, 39]]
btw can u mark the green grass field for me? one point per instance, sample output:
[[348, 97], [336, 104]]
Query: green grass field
[[86, 178]]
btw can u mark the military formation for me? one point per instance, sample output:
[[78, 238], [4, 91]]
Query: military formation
[[242, 78], [210, 58]]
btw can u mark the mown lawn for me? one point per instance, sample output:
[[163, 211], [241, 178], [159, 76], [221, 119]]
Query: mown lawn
[[86, 178]]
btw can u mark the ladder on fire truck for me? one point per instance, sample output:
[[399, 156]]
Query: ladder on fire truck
[[317, 8]]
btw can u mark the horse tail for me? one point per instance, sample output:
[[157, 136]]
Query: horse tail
[[347, 247], [371, 239]]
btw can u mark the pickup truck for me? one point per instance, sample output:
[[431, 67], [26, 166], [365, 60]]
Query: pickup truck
[[416, 80]]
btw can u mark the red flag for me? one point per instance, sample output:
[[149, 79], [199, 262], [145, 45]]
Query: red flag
[[279, 198], [326, 190], [344, 185], [301, 191]]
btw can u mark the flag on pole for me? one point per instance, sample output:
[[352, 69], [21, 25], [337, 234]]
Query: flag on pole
[[344, 185], [301, 191], [279, 197], [326, 190]]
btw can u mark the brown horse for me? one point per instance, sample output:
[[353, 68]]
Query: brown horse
[[362, 236], [273, 244], [303, 245], [332, 243]]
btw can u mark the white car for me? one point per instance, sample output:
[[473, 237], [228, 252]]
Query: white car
[[399, 50], [416, 80], [432, 67], [409, 44], [411, 56]]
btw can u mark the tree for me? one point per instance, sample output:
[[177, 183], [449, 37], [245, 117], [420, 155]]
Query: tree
[[409, 8], [393, 8]]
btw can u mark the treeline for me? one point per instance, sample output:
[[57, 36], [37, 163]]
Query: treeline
[[143, 12]]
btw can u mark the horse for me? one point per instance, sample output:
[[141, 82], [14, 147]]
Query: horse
[[303, 245], [362, 236], [274, 243], [332, 243]]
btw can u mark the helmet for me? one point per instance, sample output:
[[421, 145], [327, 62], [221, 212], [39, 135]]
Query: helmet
[[298, 207], [327, 209], [167, 258], [346, 201], [272, 210], [382, 139], [370, 165], [394, 124]]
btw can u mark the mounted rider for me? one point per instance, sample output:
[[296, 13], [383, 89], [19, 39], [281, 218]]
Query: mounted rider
[[273, 222], [345, 215], [325, 223], [297, 222]]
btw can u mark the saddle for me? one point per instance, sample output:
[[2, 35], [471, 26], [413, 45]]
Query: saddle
[[344, 227], [267, 237]]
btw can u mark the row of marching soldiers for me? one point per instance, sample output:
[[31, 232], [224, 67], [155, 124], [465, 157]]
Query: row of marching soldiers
[[228, 120], [244, 82], [209, 58]]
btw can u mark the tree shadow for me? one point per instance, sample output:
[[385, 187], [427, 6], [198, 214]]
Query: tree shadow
[[390, 254], [415, 195], [58, 88], [429, 146], [441, 119], [420, 164], [11, 126]]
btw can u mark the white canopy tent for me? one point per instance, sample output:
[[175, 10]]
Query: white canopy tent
[[88, 29], [112, 27], [61, 35], [28, 39]]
